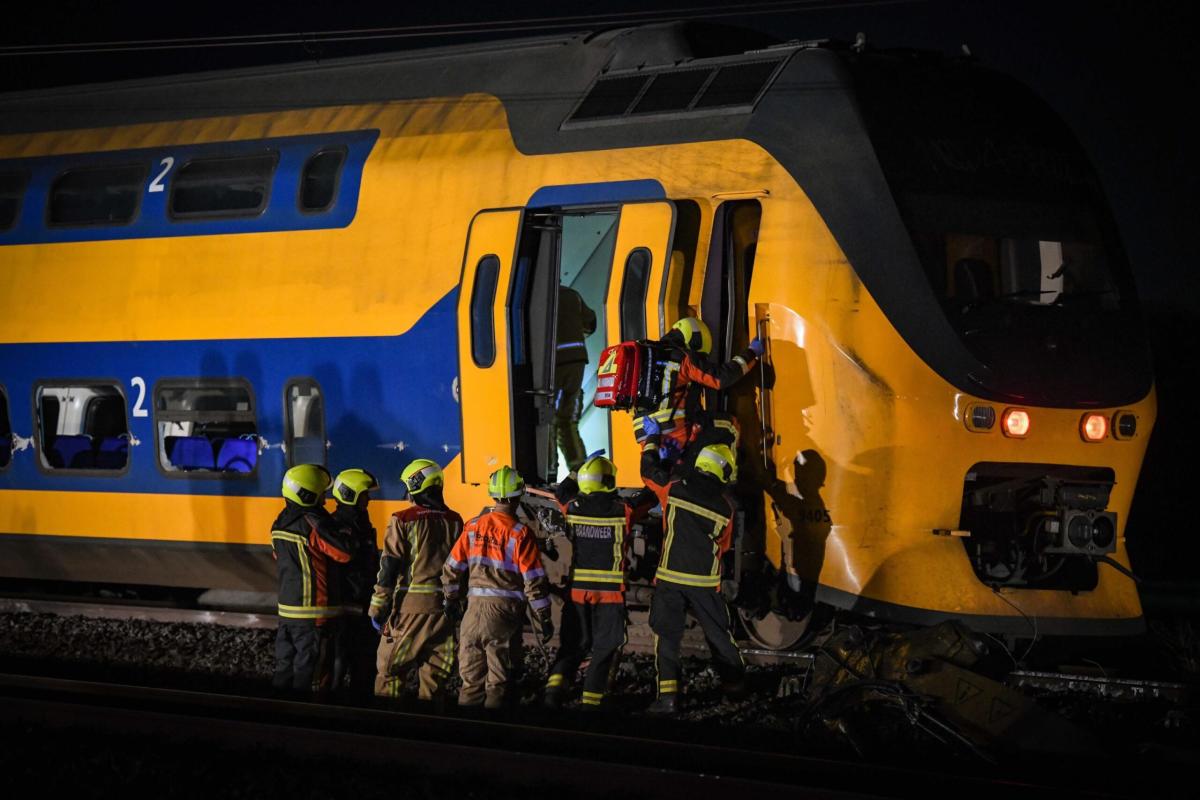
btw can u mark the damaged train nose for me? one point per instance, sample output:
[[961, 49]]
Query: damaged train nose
[[1038, 525]]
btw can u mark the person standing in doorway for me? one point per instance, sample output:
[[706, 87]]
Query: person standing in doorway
[[575, 323]]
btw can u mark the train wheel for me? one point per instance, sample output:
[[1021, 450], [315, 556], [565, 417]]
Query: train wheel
[[775, 631]]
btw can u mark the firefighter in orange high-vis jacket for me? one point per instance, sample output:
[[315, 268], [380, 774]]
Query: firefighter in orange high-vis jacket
[[406, 607], [598, 525], [498, 557], [304, 542], [697, 532], [680, 416]]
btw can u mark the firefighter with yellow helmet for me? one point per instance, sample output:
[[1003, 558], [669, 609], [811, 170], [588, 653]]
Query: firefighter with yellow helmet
[[598, 525], [305, 542], [498, 558], [680, 418], [354, 660], [406, 606], [698, 530]]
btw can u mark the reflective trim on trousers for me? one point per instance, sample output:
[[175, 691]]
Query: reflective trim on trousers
[[489, 592]]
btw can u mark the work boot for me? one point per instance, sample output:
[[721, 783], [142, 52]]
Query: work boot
[[665, 704], [553, 698]]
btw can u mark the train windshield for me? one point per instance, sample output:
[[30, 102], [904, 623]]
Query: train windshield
[[1011, 229]]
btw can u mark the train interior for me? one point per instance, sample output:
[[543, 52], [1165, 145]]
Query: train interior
[[82, 426], [206, 427]]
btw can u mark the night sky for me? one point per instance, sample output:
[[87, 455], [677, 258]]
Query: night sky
[[1123, 76]]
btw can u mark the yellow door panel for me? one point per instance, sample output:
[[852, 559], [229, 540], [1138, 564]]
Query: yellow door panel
[[639, 258], [483, 343]]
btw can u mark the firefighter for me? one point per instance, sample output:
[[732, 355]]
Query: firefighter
[[680, 418], [575, 323], [698, 528], [304, 542], [354, 664], [406, 607], [499, 558], [598, 523]]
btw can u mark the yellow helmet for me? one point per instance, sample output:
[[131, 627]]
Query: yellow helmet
[[306, 484], [350, 484], [506, 483], [718, 460], [696, 334], [597, 474], [420, 475]]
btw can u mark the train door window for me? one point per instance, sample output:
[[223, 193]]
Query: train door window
[[12, 192], [319, 181], [6, 437], [96, 196], [552, 389], [727, 278], [82, 425], [483, 298], [208, 188], [205, 427], [305, 413], [674, 295], [633, 295]]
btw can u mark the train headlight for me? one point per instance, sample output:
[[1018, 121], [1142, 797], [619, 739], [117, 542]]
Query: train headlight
[[1015, 423], [1124, 425], [980, 418], [1093, 427]]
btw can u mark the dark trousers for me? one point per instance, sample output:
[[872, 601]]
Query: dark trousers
[[568, 388], [668, 612], [303, 657], [597, 632], [354, 656]]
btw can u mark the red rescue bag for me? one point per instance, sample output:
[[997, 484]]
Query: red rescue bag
[[631, 376]]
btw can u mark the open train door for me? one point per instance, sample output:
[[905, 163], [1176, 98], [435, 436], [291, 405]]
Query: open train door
[[634, 305], [483, 363]]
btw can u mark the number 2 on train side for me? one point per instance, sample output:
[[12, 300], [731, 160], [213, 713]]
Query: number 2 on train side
[[156, 185], [139, 383]]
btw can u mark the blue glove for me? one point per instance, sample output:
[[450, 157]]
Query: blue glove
[[669, 450], [650, 426], [377, 625], [757, 346]]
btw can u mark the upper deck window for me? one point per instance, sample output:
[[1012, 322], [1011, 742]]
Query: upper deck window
[[223, 187], [205, 426], [96, 196], [82, 426], [12, 190], [319, 182]]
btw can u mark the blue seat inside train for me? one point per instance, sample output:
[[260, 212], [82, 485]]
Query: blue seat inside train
[[71, 452], [237, 455], [190, 452], [112, 453]]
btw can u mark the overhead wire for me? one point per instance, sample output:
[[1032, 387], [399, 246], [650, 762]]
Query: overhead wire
[[523, 25]]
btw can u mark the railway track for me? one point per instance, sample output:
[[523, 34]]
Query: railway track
[[658, 762]]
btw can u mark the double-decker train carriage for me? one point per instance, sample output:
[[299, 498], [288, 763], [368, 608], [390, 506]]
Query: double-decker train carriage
[[209, 278]]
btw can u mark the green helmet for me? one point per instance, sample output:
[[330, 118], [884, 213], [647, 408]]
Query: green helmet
[[306, 484], [420, 475], [597, 474], [506, 483], [718, 460], [696, 334], [350, 484]]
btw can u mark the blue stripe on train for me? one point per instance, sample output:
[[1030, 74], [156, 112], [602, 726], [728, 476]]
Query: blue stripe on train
[[152, 221], [388, 400]]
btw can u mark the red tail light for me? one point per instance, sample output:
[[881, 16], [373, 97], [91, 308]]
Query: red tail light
[[1016, 423], [1093, 427]]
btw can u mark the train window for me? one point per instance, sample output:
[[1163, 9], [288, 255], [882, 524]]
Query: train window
[[6, 437], [672, 91], [82, 425], [205, 427], [12, 190], [319, 181], [96, 196], [737, 84], [304, 410], [633, 295], [223, 187], [610, 97], [675, 294], [483, 299]]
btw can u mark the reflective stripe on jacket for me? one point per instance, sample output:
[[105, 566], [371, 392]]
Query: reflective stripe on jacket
[[415, 548], [499, 557], [305, 542], [598, 526]]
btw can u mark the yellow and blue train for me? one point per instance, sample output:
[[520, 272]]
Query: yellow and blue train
[[205, 279]]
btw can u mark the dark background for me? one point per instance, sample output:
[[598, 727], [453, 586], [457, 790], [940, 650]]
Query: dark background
[[1123, 75]]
